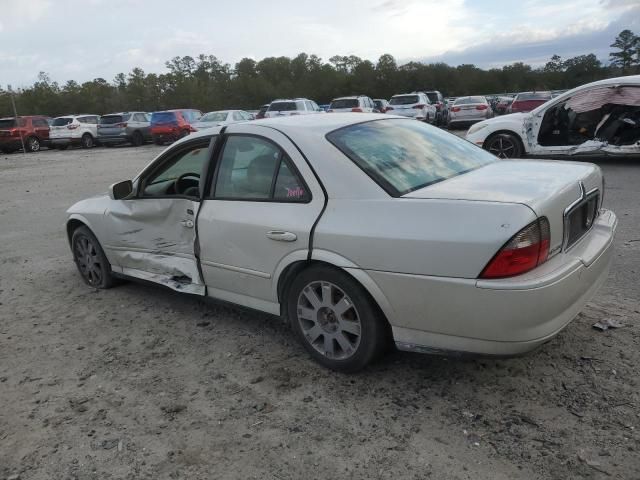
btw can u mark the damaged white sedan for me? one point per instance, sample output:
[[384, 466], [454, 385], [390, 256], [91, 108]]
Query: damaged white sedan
[[601, 118], [359, 229]]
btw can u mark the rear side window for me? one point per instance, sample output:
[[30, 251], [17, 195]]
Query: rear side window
[[113, 119], [39, 122], [62, 121], [404, 155], [163, 117], [404, 100], [252, 168], [282, 107], [344, 103]]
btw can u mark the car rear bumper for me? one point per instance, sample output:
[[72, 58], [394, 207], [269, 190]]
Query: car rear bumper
[[498, 317]]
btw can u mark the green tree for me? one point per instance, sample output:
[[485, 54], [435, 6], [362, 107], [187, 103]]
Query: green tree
[[628, 45]]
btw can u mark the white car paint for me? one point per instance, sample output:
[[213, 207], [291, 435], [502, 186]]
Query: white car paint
[[227, 118], [76, 127], [422, 109], [418, 255], [526, 126]]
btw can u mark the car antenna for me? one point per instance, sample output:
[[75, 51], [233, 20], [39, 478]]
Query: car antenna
[[15, 114]]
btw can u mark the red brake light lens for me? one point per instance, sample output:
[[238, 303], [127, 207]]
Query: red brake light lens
[[455, 109], [72, 126], [357, 109], [419, 106], [525, 251], [389, 108], [481, 107]]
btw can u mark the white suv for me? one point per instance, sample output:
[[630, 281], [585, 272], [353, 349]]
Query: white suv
[[295, 106], [74, 130], [359, 103], [415, 105]]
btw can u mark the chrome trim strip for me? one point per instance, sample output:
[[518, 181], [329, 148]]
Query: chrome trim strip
[[232, 268]]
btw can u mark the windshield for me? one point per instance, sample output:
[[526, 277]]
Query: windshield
[[404, 100], [533, 96], [282, 106], [470, 100], [113, 119], [214, 117], [62, 121], [344, 103], [405, 155], [163, 117]]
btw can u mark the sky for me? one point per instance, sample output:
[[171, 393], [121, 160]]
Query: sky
[[86, 39]]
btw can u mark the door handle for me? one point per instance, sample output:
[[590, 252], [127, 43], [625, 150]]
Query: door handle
[[187, 223], [281, 236]]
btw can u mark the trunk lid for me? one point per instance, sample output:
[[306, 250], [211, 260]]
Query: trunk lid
[[548, 187]]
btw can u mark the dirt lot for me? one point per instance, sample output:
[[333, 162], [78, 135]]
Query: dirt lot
[[140, 382]]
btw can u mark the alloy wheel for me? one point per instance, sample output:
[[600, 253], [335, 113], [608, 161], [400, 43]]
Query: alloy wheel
[[502, 147], [34, 144], [88, 260], [329, 320]]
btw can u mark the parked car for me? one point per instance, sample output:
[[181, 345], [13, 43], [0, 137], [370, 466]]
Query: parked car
[[124, 127], [30, 131], [437, 99], [262, 111], [381, 104], [296, 106], [502, 105], [466, 110], [359, 229], [221, 117], [324, 107], [70, 130], [600, 118], [527, 101], [414, 105], [356, 103], [171, 125]]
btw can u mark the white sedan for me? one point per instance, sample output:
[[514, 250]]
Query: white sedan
[[220, 118], [359, 229], [600, 118]]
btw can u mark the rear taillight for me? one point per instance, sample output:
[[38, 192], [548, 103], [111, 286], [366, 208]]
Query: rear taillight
[[14, 132], [455, 109], [389, 108], [357, 109], [72, 126], [122, 125], [481, 107], [525, 251], [420, 106]]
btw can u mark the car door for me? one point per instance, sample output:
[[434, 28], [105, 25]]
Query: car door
[[152, 235], [41, 128], [257, 217]]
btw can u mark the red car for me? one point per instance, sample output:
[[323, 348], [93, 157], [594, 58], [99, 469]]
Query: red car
[[32, 131], [527, 101], [170, 125]]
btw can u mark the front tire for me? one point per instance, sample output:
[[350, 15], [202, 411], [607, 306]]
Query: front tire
[[137, 140], [504, 145], [335, 319], [90, 259], [32, 144]]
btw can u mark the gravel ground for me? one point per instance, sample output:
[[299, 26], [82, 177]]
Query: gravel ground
[[141, 382]]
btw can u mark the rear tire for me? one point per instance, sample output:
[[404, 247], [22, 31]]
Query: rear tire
[[32, 144], [335, 319], [137, 140], [90, 259], [504, 145], [87, 141]]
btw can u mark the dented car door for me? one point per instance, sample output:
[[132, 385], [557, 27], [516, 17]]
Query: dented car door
[[152, 235]]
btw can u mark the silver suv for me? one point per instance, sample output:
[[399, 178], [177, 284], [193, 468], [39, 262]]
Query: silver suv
[[357, 103], [124, 127], [295, 106]]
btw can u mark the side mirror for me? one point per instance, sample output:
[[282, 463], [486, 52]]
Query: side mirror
[[121, 190]]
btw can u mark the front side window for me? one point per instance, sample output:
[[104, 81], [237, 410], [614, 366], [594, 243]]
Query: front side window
[[404, 155], [181, 174], [252, 168]]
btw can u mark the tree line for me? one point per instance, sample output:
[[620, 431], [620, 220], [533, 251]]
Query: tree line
[[209, 84]]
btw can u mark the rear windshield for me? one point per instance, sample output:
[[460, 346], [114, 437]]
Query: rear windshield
[[112, 119], [533, 96], [214, 117], [469, 100], [433, 96], [7, 122], [62, 121], [344, 103], [404, 100], [282, 107], [405, 155], [163, 117]]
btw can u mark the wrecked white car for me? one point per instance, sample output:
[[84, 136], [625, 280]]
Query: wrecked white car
[[601, 118], [359, 229]]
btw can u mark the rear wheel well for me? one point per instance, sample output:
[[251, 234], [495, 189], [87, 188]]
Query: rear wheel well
[[293, 270]]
